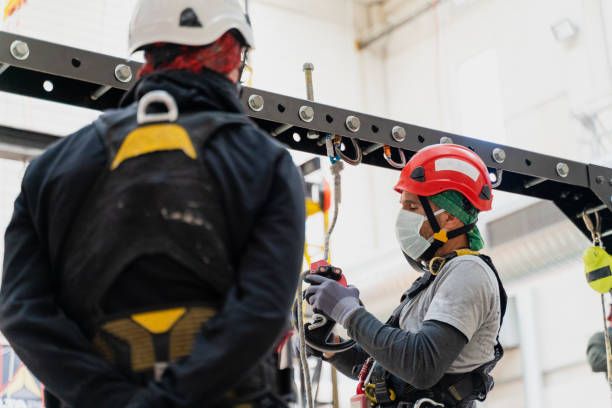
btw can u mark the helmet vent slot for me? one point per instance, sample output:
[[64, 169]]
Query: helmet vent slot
[[485, 194], [418, 174], [189, 18]]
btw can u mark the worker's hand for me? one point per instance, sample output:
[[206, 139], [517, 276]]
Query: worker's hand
[[331, 298]]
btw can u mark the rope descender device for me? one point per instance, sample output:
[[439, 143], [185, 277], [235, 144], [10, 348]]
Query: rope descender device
[[389, 158], [318, 333]]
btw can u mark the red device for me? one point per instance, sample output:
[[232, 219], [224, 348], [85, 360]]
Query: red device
[[325, 269]]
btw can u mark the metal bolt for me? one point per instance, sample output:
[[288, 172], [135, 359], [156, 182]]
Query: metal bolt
[[256, 102], [308, 68], [20, 50], [353, 124], [100, 92], [499, 155], [446, 140], [307, 113], [398, 133], [123, 73], [562, 169]]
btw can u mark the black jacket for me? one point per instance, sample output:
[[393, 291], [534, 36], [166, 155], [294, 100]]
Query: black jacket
[[263, 198]]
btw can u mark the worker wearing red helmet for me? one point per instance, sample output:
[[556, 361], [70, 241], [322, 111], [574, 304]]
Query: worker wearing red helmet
[[440, 343]]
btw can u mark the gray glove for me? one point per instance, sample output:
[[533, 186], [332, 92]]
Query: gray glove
[[332, 299]]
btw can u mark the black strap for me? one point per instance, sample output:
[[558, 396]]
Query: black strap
[[455, 388], [433, 222]]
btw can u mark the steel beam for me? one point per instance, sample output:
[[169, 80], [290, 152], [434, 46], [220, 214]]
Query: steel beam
[[21, 144], [97, 81]]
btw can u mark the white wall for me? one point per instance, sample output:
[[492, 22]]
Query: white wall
[[542, 84], [413, 75], [287, 35]]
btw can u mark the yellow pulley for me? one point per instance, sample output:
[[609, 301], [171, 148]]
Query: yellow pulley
[[598, 275], [597, 269], [597, 261]]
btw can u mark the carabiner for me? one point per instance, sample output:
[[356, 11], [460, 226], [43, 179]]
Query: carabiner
[[595, 230], [358, 154], [499, 174], [389, 159], [332, 153]]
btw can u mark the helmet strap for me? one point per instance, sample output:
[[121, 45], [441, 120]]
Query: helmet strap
[[440, 237]]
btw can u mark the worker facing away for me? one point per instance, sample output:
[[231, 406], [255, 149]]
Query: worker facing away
[[153, 255], [440, 344]]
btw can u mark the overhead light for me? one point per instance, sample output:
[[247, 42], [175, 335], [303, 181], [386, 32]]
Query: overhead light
[[564, 30]]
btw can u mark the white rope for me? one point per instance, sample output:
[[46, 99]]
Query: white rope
[[336, 169], [304, 368]]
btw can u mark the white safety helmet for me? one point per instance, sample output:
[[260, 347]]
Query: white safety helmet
[[187, 22]]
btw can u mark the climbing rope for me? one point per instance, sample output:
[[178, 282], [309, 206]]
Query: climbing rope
[[336, 168], [304, 368]]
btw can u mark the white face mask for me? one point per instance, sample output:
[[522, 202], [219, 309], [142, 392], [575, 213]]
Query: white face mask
[[407, 231]]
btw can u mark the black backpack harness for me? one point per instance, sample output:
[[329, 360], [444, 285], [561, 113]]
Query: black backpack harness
[[453, 390], [156, 197]]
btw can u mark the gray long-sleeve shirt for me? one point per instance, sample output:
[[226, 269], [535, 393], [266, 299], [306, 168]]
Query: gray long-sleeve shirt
[[449, 327]]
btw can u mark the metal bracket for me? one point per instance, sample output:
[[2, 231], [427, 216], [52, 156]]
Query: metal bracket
[[96, 81]]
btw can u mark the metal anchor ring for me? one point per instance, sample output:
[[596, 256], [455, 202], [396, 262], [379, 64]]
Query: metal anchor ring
[[157, 97], [359, 155]]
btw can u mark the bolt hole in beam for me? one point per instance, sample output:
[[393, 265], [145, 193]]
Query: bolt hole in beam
[[76, 62], [329, 119], [528, 162], [297, 138], [375, 129], [421, 139], [48, 86], [281, 108]]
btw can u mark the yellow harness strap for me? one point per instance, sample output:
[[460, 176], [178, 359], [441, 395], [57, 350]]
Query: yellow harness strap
[[154, 138]]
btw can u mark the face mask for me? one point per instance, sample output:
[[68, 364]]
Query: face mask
[[407, 228]]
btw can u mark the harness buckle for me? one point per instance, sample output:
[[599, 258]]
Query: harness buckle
[[436, 264]]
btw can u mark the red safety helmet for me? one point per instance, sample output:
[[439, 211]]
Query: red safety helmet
[[438, 168]]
